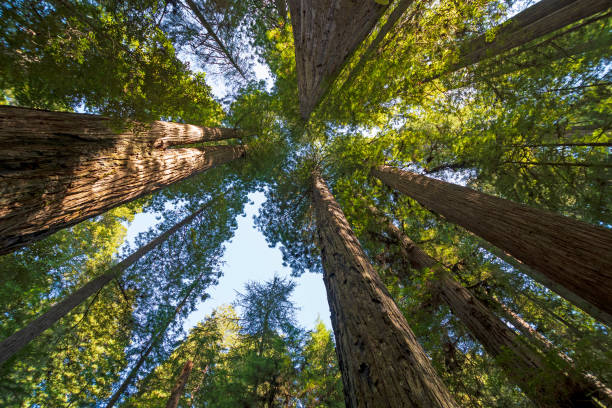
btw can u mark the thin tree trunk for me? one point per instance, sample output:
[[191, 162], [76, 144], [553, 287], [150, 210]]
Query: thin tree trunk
[[602, 393], [558, 164], [154, 341], [379, 357], [209, 28], [195, 390], [605, 144], [560, 290], [541, 19], [23, 337], [179, 387], [572, 253], [522, 365], [58, 169]]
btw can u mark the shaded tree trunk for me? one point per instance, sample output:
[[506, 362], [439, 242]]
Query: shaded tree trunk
[[601, 392], [560, 290], [325, 35], [58, 169], [379, 357], [152, 344], [179, 387], [572, 253], [544, 17], [21, 338], [395, 15], [543, 384]]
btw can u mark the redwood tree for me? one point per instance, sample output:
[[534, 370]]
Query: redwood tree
[[379, 357], [58, 169], [572, 253]]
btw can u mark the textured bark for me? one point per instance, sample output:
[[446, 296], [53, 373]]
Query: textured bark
[[541, 19], [395, 15], [560, 290], [520, 363], [179, 387], [574, 254], [58, 169], [21, 338], [325, 35], [381, 362], [601, 392], [154, 341]]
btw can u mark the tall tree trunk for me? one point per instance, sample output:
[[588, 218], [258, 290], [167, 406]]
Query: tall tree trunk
[[211, 31], [520, 363], [572, 253], [154, 341], [325, 35], [58, 169], [21, 338], [379, 357], [560, 290], [179, 387], [541, 19], [602, 393], [395, 15]]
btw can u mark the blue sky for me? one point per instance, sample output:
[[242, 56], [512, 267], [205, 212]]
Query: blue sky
[[249, 258]]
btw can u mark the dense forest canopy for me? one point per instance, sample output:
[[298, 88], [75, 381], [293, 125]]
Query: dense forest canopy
[[443, 165]]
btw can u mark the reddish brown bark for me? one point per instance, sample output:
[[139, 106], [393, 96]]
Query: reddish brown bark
[[543, 384], [21, 338], [58, 169], [572, 253], [395, 15], [179, 387], [541, 19], [325, 35], [381, 362]]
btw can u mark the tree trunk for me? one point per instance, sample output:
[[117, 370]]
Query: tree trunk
[[209, 28], [520, 363], [572, 253], [541, 19], [379, 357], [558, 164], [395, 15], [21, 338], [602, 393], [154, 341], [58, 169], [179, 387], [325, 35], [560, 290]]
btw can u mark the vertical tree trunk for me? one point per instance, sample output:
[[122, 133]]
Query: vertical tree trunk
[[521, 364], [179, 387], [572, 253], [58, 169], [395, 15], [154, 341], [21, 338], [326, 33], [544, 17], [379, 357]]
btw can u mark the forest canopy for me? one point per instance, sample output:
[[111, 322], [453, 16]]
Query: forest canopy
[[443, 166]]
